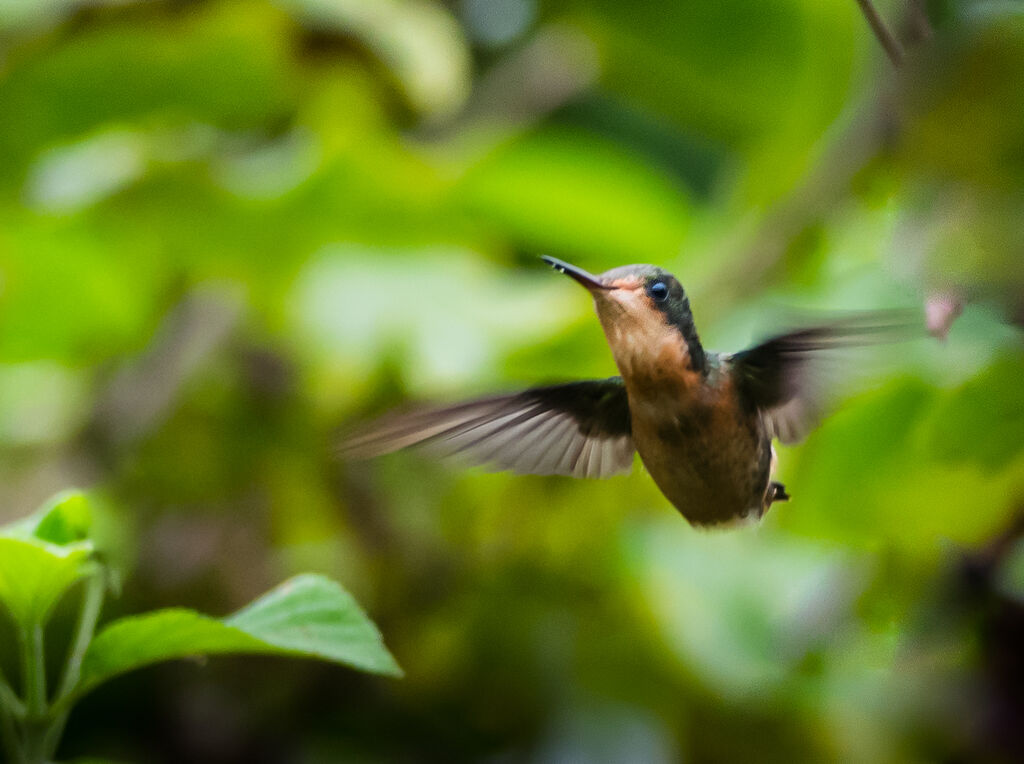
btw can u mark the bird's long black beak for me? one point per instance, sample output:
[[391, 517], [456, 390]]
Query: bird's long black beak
[[588, 280]]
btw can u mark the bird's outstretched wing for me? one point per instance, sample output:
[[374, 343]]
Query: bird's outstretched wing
[[786, 378], [581, 429]]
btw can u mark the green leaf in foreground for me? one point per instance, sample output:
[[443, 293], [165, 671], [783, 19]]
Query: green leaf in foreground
[[34, 575], [308, 616], [65, 518]]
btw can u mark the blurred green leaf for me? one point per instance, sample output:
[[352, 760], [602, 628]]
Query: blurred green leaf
[[451, 341], [745, 608], [105, 293], [868, 476], [417, 39], [308, 616], [562, 191], [118, 72], [42, 402], [982, 421], [749, 74]]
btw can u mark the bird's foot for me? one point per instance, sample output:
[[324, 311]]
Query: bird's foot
[[776, 492]]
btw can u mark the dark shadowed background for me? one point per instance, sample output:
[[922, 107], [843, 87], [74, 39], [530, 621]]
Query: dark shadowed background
[[230, 230]]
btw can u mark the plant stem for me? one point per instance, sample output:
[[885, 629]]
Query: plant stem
[[84, 630], [9, 700], [33, 673], [92, 604], [885, 37], [33, 670], [8, 728]]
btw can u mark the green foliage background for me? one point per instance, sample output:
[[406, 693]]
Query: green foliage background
[[228, 229]]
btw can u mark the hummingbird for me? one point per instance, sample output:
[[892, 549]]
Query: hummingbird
[[702, 422]]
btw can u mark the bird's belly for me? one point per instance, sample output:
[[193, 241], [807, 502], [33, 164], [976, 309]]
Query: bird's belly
[[711, 460]]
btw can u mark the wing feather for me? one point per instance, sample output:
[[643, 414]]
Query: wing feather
[[787, 376], [556, 456], [581, 429], [534, 447], [579, 467]]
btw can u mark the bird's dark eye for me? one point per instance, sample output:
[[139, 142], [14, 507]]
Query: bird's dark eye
[[658, 291]]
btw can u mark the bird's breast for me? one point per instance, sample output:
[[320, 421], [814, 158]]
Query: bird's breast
[[707, 453]]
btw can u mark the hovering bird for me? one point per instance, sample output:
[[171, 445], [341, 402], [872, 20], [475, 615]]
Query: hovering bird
[[702, 422]]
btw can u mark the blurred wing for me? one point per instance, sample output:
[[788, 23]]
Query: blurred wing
[[581, 429], [785, 376]]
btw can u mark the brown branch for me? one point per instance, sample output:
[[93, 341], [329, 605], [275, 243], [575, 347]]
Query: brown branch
[[145, 390], [885, 37], [917, 28]]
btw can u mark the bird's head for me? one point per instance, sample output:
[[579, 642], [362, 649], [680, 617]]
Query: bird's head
[[644, 311]]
